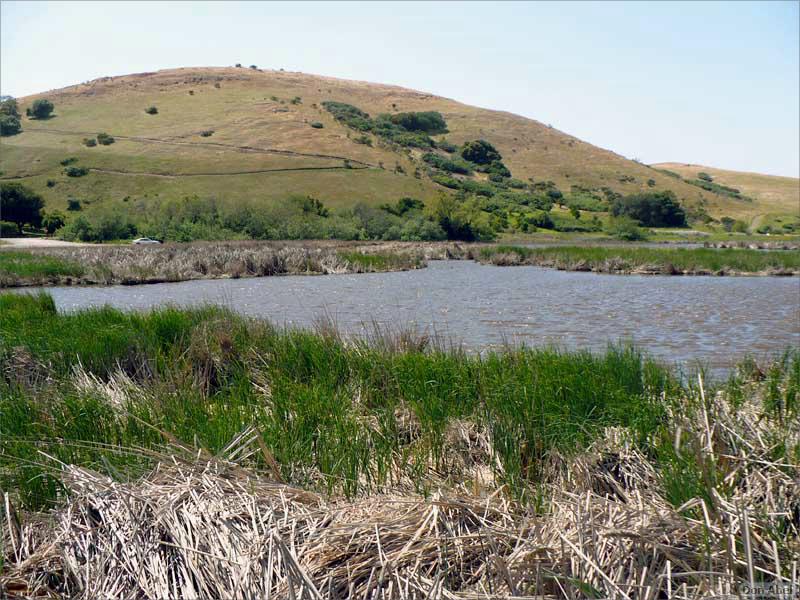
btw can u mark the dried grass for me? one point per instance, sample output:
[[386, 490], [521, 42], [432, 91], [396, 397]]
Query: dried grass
[[208, 527]]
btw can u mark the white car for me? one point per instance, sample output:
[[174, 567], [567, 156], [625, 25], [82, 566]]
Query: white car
[[140, 241]]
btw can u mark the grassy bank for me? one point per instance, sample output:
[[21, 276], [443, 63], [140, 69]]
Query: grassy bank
[[663, 261], [177, 437], [26, 266], [180, 262]]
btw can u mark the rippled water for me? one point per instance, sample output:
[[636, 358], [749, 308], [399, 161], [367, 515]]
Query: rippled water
[[715, 320]]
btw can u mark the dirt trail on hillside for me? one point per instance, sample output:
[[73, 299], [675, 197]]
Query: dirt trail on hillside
[[210, 145], [221, 173]]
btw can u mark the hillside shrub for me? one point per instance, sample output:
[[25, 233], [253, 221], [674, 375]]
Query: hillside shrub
[[73, 204], [317, 125], [446, 146], [105, 139], [363, 139], [100, 226], [76, 171], [151, 110], [207, 133], [9, 107], [9, 125], [705, 176], [41, 109], [480, 152], [651, 209], [70, 160], [445, 164], [89, 142], [430, 122]]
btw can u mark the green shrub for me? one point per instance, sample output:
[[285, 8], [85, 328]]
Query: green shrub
[[451, 166], [430, 122], [9, 107], [50, 183], [151, 110], [53, 221], [41, 109], [76, 171], [9, 229], [9, 125], [705, 176], [363, 139], [105, 139], [625, 228], [73, 204], [446, 146], [89, 142], [71, 160], [651, 209], [317, 125], [480, 152], [99, 227], [296, 100], [20, 205], [207, 133]]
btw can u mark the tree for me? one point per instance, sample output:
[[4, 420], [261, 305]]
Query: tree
[[576, 214], [41, 108], [480, 152], [9, 125], [9, 107], [53, 221], [151, 110], [651, 209], [20, 205]]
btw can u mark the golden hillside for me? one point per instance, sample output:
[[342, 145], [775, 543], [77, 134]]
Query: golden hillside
[[263, 146]]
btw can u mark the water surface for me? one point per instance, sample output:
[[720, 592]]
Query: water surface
[[714, 320]]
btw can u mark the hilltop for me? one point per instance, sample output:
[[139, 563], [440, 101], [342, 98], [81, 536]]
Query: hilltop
[[249, 136]]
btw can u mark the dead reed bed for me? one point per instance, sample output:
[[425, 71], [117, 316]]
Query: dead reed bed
[[180, 262], [202, 526]]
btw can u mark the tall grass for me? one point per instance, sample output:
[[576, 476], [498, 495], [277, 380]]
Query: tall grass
[[26, 265], [344, 416], [658, 260]]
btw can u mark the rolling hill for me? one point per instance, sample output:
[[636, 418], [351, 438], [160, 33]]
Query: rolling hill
[[773, 197], [237, 133]]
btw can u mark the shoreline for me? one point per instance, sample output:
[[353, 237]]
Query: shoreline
[[171, 263]]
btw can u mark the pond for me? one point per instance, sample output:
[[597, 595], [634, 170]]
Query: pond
[[714, 321]]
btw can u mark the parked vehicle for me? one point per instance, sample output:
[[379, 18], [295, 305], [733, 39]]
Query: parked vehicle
[[145, 240]]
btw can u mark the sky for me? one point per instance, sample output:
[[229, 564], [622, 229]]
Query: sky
[[714, 83]]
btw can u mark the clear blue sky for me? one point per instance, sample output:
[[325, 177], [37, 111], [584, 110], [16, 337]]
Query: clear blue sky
[[709, 83]]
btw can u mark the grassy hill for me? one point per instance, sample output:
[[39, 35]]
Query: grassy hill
[[243, 135], [774, 199]]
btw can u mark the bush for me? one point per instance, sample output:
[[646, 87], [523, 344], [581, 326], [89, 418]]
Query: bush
[[207, 133], [20, 205], [68, 161], [317, 125], [89, 142], [100, 227], [51, 183], [625, 228], [52, 222], [296, 100], [9, 229], [446, 146], [151, 110], [430, 122], [363, 139], [76, 171], [105, 139], [480, 152], [254, 67], [445, 164], [9, 107], [539, 219], [651, 209], [73, 204], [9, 125], [705, 177], [41, 109]]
